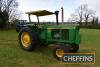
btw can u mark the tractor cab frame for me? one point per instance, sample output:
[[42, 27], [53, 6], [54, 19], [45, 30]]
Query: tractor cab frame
[[42, 13]]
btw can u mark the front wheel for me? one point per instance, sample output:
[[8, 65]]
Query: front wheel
[[59, 51]]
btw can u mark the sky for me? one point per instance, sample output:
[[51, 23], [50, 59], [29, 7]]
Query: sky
[[53, 5]]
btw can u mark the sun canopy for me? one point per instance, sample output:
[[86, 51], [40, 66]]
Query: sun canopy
[[40, 13]]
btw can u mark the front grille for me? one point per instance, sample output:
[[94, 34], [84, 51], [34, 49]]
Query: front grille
[[55, 32], [63, 34]]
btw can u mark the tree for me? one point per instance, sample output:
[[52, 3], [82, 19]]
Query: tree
[[79, 12], [95, 21], [8, 11], [83, 14], [3, 18], [73, 18], [78, 15], [88, 13]]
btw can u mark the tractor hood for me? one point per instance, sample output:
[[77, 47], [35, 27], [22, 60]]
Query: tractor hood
[[54, 26], [63, 26]]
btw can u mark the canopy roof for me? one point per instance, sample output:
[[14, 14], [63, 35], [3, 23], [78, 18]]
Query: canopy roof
[[40, 13]]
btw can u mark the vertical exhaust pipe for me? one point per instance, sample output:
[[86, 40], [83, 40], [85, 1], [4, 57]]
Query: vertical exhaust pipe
[[62, 14], [56, 13]]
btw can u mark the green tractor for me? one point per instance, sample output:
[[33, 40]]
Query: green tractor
[[64, 37]]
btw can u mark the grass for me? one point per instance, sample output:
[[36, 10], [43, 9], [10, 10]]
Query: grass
[[11, 55]]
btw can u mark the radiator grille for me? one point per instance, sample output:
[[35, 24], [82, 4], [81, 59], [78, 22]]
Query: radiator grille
[[63, 34]]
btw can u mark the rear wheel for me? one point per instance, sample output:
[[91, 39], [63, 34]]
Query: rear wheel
[[27, 39]]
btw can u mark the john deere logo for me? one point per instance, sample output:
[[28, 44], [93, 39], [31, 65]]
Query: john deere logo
[[79, 58]]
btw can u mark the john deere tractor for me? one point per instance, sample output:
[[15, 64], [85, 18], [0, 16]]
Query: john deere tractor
[[64, 37]]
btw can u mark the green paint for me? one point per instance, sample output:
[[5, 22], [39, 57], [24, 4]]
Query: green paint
[[69, 34]]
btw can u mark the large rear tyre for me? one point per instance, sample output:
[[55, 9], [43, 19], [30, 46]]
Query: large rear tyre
[[27, 39]]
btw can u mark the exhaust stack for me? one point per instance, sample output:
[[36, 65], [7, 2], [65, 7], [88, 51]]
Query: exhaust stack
[[56, 13], [62, 14]]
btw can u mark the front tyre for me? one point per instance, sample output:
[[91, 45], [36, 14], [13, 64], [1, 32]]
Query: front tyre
[[59, 51], [27, 39]]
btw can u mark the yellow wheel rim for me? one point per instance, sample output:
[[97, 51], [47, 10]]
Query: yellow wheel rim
[[59, 53], [25, 39]]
